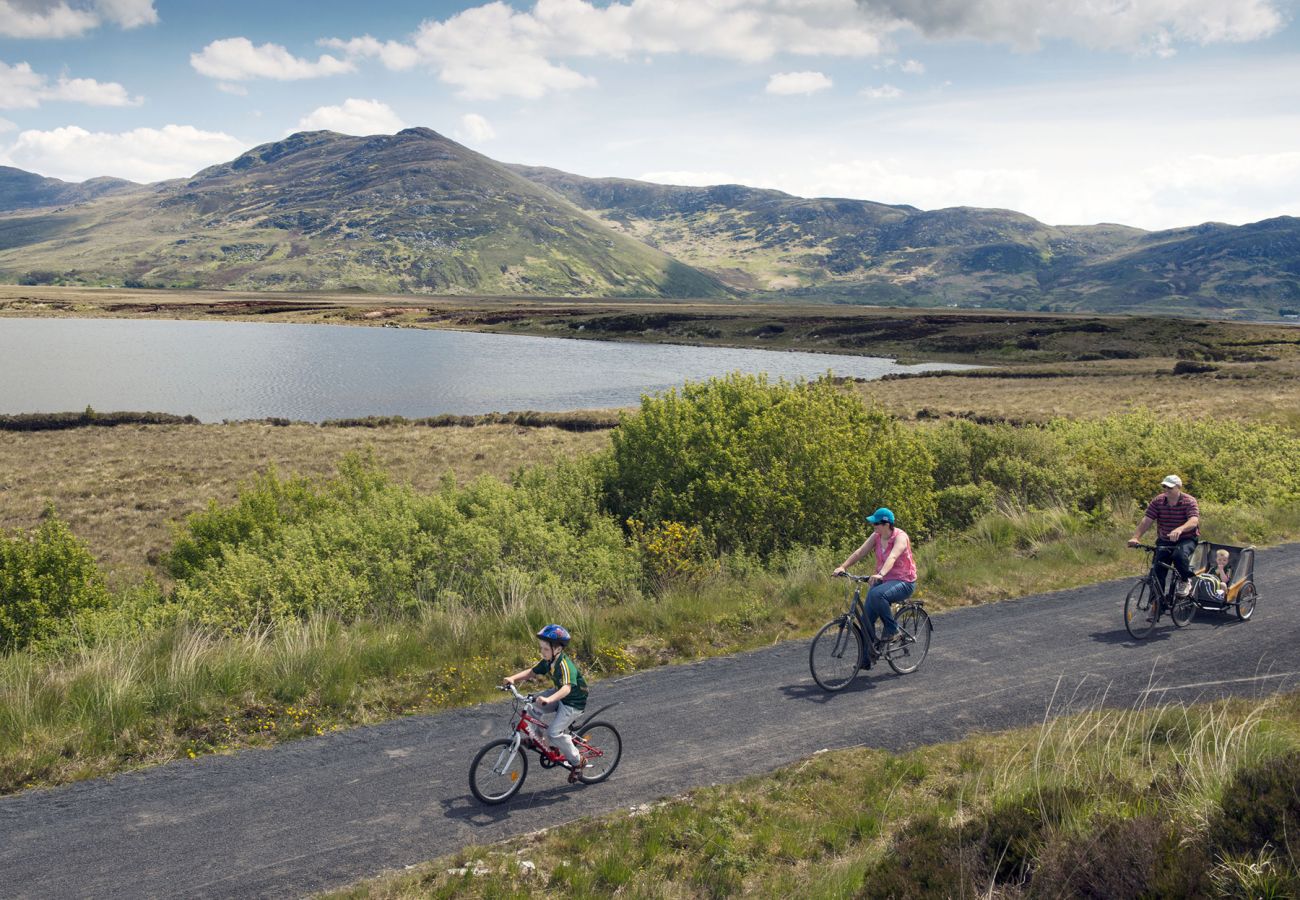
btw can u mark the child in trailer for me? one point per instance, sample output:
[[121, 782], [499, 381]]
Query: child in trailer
[[569, 694]]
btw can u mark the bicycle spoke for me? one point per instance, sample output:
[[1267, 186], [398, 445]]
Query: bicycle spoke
[[835, 655], [1140, 610]]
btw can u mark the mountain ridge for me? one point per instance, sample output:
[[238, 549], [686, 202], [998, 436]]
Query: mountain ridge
[[417, 212]]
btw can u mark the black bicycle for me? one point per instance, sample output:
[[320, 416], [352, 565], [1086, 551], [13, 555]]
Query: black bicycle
[[1154, 594], [835, 656]]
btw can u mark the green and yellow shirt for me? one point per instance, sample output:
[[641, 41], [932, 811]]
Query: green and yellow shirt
[[563, 671]]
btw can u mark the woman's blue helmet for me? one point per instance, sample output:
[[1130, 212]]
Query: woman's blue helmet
[[556, 634]]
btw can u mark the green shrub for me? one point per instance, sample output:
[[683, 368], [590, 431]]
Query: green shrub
[[1220, 461], [358, 544], [47, 577], [1023, 465], [1260, 806], [958, 506], [761, 467]]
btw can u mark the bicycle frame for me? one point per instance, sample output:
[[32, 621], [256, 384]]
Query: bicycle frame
[[522, 739]]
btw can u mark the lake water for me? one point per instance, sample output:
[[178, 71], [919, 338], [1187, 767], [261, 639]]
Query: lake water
[[249, 370]]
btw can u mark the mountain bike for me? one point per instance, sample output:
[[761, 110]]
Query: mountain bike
[[836, 652], [1153, 595], [498, 771]]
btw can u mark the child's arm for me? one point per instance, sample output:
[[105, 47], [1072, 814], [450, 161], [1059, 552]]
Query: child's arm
[[555, 697], [520, 676]]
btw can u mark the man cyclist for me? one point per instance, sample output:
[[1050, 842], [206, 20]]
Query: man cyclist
[[1177, 517]]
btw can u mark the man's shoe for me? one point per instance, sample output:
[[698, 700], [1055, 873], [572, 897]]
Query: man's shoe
[[1184, 587]]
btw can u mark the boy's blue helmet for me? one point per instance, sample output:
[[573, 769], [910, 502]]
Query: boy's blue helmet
[[556, 634]]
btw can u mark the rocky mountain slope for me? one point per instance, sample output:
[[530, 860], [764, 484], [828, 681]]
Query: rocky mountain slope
[[416, 212], [407, 212]]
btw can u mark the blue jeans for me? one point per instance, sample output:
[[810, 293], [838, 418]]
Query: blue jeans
[[877, 606], [1179, 553]]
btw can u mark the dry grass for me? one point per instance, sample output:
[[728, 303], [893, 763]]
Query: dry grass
[[1267, 392], [120, 488]]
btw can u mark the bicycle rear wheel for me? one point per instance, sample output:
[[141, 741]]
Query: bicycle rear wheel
[[1140, 610], [907, 654], [836, 654], [601, 748], [498, 772], [1184, 609], [1246, 598]]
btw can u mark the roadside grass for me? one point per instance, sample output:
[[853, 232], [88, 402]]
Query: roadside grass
[[121, 489], [132, 700], [1167, 801]]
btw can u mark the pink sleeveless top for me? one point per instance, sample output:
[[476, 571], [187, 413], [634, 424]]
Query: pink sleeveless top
[[904, 567]]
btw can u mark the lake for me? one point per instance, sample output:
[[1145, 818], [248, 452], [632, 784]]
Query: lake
[[249, 370]]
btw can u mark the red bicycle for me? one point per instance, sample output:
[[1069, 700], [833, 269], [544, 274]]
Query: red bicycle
[[499, 769]]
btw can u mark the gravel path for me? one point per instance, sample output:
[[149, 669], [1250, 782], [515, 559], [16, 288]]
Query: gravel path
[[324, 812]]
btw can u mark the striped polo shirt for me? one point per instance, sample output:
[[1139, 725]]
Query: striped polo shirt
[[1168, 517]]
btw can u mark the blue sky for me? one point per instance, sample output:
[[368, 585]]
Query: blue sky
[[1154, 113]]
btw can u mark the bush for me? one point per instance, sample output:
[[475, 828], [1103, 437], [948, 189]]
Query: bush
[[1219, 461], [358, 544], [47, 577], [1025, 465], [762, 467], [1260, 806], [959, 506]]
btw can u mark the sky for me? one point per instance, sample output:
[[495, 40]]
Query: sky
[[1152, 113]]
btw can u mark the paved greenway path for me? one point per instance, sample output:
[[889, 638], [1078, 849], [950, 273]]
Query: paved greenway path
[[321, 813]]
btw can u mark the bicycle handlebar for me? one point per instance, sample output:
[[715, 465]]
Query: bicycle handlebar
[[527, 698]]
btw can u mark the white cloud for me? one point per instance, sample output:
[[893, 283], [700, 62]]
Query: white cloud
[[144, 154], [913, 67], [494, 50], [785, 83], [689, 178], [884, 92], [393, 54], [21, 88], [1150, 26], [353, 117], [228, 87], [237, 59], [475, 128], [6, 125], [45, 19]]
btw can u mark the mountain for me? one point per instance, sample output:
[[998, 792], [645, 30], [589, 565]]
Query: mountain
[[771, 243], [416, 212], [412, 212], [26, 190]]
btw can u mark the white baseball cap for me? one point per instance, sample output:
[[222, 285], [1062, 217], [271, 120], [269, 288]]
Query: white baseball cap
[[1172, 481]]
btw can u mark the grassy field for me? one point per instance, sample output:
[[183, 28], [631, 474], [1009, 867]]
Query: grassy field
[[122, 488], [1173, 801]]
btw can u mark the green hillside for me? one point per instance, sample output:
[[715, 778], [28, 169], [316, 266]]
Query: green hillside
[[418, 213], [411, 212], [774, 244]]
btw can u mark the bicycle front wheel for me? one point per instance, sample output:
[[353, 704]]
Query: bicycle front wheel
[[498, 772], [836, 654], [908, 652], [601, 748], [1140, 610]]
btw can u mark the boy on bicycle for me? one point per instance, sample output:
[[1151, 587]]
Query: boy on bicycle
[[569, 694]]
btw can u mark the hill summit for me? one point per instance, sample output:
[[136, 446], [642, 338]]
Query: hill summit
[[409, 212], [415, 212]]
